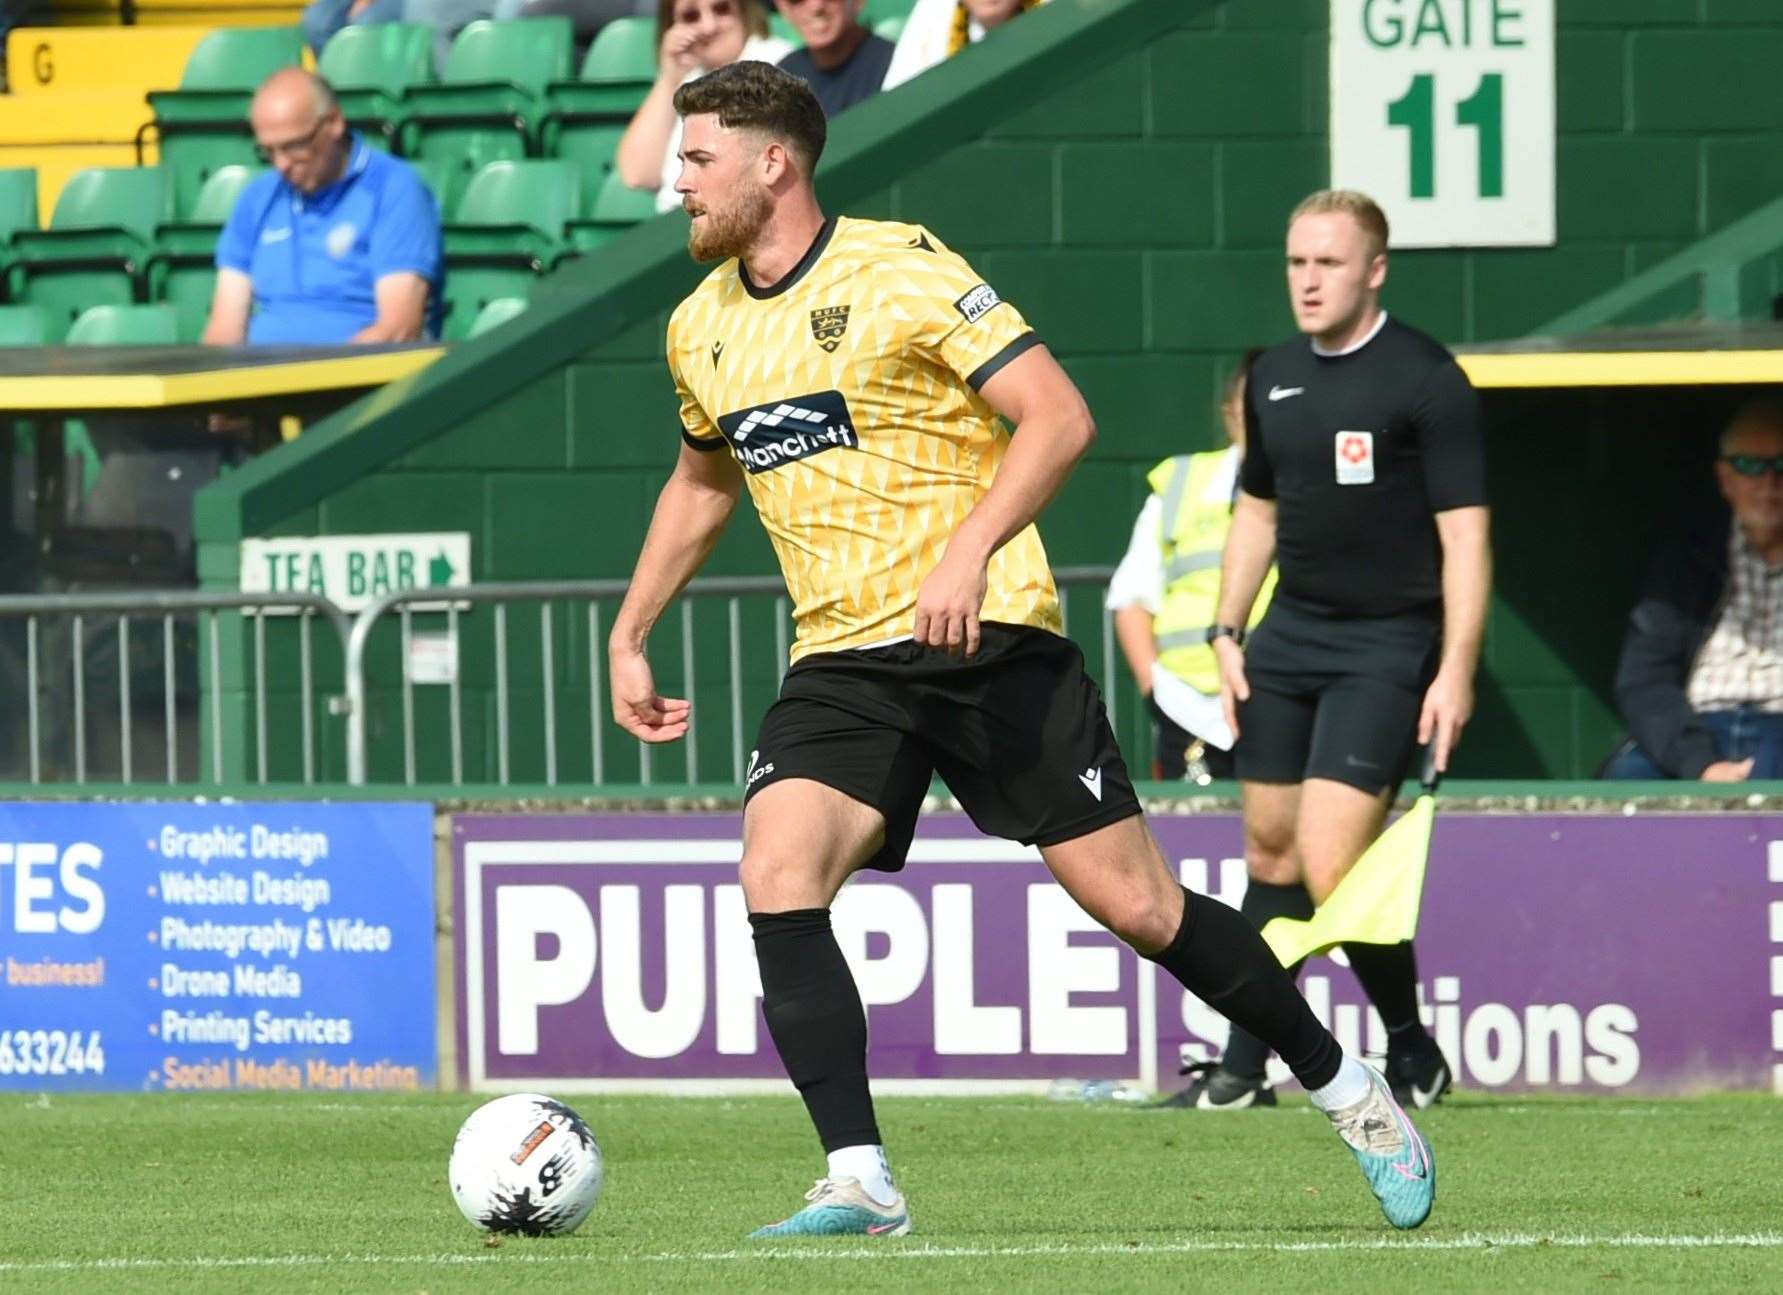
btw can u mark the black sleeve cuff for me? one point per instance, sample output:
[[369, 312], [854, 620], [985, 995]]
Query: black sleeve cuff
[[704, 444], [990, 368]]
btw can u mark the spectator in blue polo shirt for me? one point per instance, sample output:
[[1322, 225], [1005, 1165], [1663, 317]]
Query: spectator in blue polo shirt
[[337, 243]]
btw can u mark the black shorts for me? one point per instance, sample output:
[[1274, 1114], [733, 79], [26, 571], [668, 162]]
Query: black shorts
[[1335, 697], [1018, 733]]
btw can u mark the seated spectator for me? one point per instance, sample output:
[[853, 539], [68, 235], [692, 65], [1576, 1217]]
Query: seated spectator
[[322, 18], [841, 61], [693, 37], [1164, 592], [337, 243], [1700, 683], [938, 29]]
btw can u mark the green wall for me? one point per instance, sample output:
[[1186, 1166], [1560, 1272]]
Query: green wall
[[1120, 170]]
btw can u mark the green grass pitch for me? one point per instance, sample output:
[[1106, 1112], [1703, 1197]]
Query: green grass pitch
[[238, 1192]]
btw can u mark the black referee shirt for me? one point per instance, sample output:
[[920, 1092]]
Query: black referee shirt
[[1359, 451]]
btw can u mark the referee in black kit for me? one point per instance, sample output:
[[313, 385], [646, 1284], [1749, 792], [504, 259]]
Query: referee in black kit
[[1365, 481]]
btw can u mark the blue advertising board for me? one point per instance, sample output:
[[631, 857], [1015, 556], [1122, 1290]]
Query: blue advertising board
[[187, 947]]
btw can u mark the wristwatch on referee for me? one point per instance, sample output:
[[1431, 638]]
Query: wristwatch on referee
[[1233, 632]]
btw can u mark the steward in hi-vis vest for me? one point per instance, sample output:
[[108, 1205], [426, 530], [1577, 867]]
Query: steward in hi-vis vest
[[1195, 494]]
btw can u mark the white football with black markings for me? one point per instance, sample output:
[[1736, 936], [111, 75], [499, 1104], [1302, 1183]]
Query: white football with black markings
[[525, 1163]]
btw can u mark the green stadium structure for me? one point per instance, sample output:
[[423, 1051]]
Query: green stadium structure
[[1121, 169]]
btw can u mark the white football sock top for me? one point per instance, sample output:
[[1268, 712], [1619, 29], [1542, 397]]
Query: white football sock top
[[868, 1166], [1349, 1086]]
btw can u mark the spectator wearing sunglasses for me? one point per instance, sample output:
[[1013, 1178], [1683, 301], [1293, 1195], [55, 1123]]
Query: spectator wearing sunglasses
[[336, 243], [1700, 682]]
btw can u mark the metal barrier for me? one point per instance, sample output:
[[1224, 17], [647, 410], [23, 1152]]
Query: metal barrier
[[588, 595], [205, 611]]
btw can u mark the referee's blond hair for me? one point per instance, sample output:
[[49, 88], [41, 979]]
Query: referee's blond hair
[[1365, 210]]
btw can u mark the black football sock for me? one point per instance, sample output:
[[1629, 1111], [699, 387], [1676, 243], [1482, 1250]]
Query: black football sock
[[1246, 1054], [1221, 959], [815, 1016], [1389, 976]]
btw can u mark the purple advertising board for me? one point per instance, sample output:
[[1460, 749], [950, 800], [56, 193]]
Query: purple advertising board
[[1583, 953]]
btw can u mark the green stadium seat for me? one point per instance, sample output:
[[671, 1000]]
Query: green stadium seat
[[496, 313], [591, 148], [524, 204], [585, 118], [508, 230], [472, 284], [18, 201], [779, 28], [97, 248], [877, 11], [125, 326], [616, 209], [371, 67], [489, 105], [182, 271], [625, 50], [438, 174], [26, 326], [18, 208], [889, 29], [203, 125]]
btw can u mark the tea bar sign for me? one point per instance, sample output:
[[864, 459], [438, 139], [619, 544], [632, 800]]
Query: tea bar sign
[[353, 571]]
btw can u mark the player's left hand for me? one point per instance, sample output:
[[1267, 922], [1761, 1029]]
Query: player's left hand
[[948, 604], [1448, 705]]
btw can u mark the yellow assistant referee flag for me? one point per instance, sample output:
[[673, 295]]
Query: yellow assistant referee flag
[[1377, 901]]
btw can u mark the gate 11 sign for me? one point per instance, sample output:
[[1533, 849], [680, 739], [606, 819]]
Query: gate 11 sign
[[1443, 112]]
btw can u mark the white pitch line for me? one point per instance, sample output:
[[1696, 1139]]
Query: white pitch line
[[1471, 1241]]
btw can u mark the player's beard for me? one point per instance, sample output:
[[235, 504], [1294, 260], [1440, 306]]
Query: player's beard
[[732, 229]]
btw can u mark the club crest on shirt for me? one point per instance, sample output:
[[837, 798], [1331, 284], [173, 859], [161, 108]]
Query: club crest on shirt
[[828, 323], [340, 239]]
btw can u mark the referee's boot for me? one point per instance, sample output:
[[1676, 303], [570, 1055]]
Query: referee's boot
[[1417, 1071], [1217, 1089]]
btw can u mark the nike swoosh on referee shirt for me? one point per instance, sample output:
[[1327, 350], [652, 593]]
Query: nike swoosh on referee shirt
[[1282, 393]]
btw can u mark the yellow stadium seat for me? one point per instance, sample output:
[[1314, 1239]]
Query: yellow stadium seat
[[178, 13], [53, 60]]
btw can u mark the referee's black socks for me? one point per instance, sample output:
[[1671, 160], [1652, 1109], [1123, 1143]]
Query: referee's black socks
[[815, 1016], [1389, 976], [1264, 901], [1219, 957]]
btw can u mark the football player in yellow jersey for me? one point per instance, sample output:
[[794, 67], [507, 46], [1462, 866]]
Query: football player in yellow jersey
[[851, 374]]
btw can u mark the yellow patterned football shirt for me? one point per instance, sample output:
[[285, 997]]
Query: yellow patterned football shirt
[[848, 393]]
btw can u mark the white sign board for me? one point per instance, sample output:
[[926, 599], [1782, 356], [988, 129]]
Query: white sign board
[[353, 571], [1443, 112]]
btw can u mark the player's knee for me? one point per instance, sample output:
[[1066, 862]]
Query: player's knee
[[1141, 920], [1271, 860], [774, 882]]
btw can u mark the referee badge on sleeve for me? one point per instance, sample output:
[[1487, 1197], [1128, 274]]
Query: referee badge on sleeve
[[1355, 458]]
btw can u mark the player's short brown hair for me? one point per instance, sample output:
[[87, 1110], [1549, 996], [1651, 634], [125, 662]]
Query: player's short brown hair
[[1365, 210], [760, 97]]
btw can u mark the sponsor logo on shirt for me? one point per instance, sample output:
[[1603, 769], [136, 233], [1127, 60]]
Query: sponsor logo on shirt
[[765, 437], [978, 303], [1355, 458], [275, 235]]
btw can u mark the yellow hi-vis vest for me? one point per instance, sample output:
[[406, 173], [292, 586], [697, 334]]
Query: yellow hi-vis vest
[[1192, 530]]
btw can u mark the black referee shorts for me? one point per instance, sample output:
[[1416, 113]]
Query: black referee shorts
[[1335, 697], [1018, 732]]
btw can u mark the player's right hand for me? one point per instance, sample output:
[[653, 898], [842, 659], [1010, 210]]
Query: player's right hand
[[636, 707], [1234, 687]]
